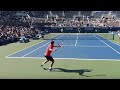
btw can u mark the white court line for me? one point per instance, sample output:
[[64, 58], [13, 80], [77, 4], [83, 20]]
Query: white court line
[[108, 45], [82, 46], [39, 47], [90, 46], [25, 48], [35, 49], [67, 58], [76, 40], [28, 47], [111, 41]]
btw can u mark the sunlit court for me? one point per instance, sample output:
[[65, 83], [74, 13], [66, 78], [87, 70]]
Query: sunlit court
[[86, 45]]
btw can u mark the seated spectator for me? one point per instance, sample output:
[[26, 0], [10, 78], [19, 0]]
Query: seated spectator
[[23, 39], [38, 36]]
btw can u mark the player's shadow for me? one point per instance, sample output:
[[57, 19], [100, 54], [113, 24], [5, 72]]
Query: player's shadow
[[79, 71]]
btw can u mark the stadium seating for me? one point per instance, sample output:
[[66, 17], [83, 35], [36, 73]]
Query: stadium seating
[[15, 23]]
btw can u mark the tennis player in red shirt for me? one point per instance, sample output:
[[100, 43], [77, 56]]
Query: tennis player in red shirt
[[48, 56]]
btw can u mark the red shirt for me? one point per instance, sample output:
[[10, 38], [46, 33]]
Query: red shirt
[[48, 52]]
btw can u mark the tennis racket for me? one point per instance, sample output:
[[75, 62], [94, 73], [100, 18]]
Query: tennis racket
[[60, 44]]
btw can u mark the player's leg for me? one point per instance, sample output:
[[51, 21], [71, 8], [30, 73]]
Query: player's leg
[[45, 61], [52, 62]]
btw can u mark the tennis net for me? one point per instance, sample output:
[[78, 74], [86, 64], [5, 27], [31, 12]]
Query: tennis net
[[79, 36]]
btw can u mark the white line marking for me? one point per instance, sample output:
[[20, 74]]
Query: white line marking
[[67, 58], [111, 41], [76, 40], [27, 47], [82, 46], [35, 50], [108, 45], [38, 48], [91, 46]]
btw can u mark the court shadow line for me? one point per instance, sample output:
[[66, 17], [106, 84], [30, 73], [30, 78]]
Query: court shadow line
[[79, 71], [94, 75]]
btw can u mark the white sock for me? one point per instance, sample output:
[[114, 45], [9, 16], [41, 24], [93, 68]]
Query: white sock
[[50, 67]]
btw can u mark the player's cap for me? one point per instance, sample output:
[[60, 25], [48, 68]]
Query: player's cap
[[52, 42]]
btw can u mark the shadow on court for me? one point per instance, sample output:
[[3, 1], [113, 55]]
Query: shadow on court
[[79, 71]]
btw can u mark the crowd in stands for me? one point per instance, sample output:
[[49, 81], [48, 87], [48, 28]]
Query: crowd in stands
[[11, 16], [75, 19], [80, 22], [12, 33], [67, 19], [64, 19]]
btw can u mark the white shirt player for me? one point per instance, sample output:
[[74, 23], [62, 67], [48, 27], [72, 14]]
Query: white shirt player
[[79, 30], [62, 30]]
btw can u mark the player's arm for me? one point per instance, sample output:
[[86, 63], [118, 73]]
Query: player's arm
[[53, 49], [58, 46]]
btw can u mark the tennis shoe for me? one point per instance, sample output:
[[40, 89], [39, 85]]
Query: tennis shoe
[[50, 69]]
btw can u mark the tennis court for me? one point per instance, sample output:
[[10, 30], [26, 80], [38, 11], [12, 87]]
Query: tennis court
[[76, 46]]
